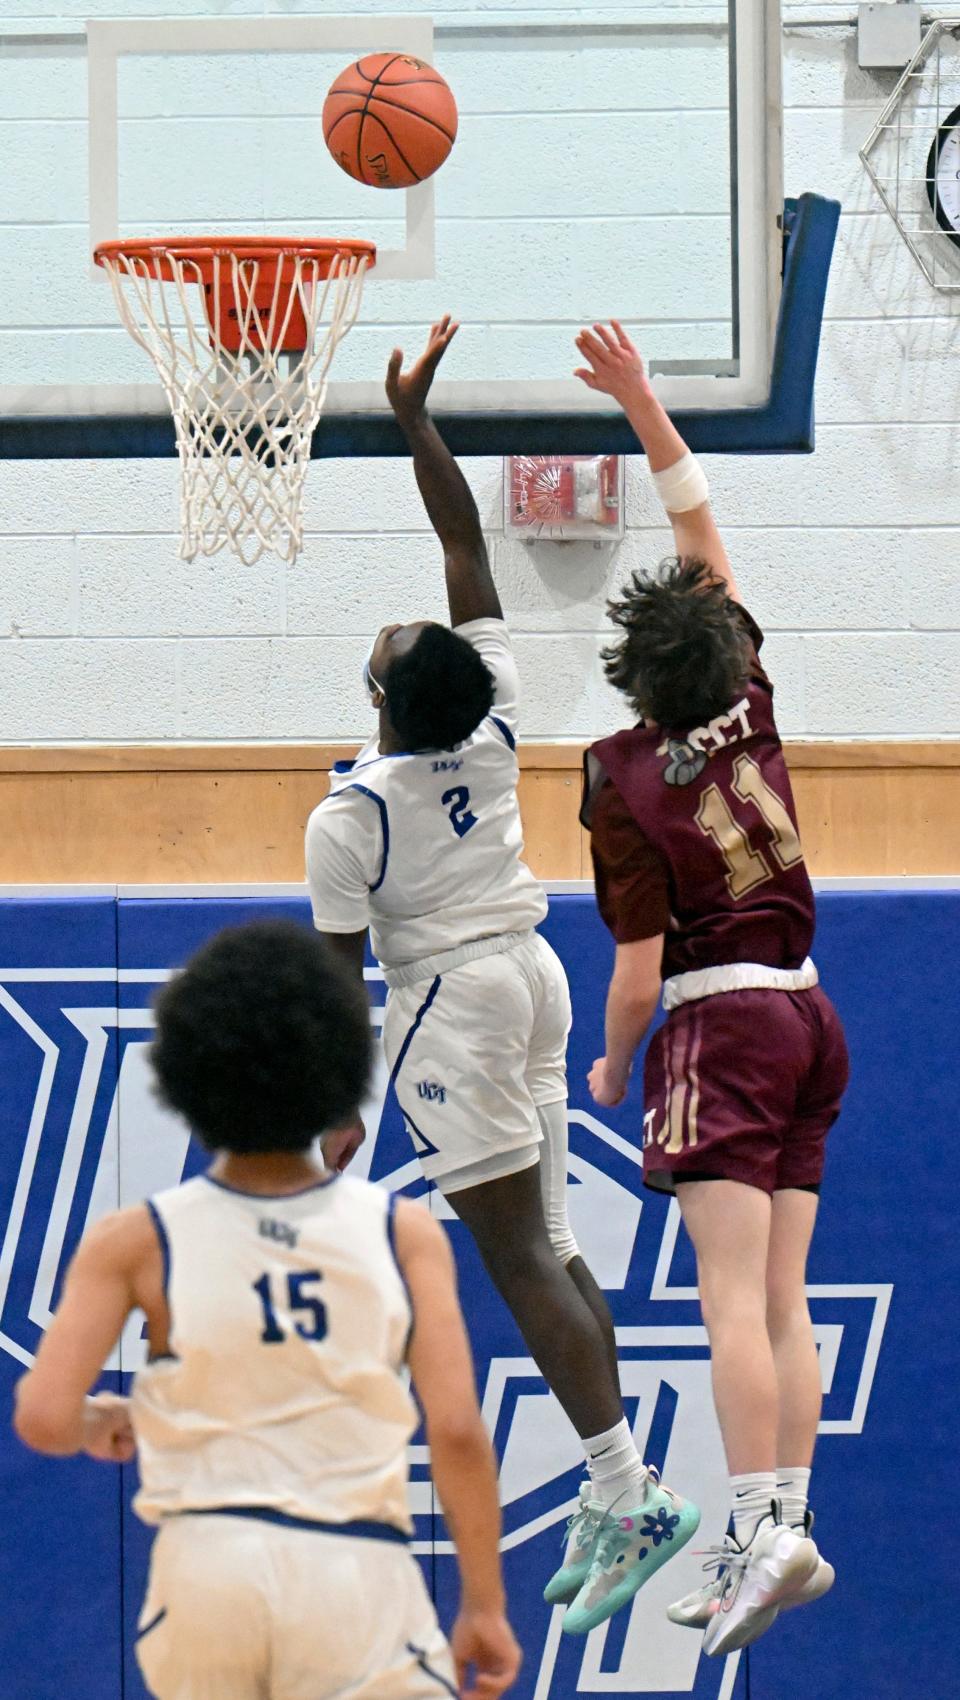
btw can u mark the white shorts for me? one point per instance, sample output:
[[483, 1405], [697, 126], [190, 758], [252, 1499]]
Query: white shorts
[[239, 1609], [472, 1053]]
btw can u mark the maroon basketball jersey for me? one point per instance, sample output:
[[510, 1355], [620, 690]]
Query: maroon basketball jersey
[[695, 835]]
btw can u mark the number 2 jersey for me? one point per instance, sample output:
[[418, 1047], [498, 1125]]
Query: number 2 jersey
[[694, 835], [425, 848], [284, 1393]]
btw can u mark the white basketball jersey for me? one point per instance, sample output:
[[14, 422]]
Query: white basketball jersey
[[425, 849], [285, 1389]]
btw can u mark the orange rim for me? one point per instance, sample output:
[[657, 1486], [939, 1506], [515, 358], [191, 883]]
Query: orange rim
[[203, 250]]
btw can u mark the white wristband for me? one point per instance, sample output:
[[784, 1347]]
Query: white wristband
[[683, 485]]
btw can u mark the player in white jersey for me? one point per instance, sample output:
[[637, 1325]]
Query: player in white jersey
[[271, 1421], [420, 842]]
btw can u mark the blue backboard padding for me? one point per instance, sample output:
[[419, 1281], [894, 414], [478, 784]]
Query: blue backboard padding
[[782, 425], [888, 1217]]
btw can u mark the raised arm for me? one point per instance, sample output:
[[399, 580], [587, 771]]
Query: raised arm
[[616, 369], [447, 497]]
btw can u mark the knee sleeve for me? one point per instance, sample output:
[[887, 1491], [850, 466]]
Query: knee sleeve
[[553, 1178]]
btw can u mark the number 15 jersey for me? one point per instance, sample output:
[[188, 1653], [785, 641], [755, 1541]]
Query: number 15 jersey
[[694, 834], [425, 848], [284, 1392]]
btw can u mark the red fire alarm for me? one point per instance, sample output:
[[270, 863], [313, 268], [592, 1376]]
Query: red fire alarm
[[561, 498]]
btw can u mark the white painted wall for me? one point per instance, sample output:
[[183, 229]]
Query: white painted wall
[[849, 558]]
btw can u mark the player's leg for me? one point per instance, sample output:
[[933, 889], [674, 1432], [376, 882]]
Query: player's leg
[[799, 1173], [553, 1185], [798, 1368], [460, 1055], [790, 1330], [546, 1080], [608, 1557], [729, 1224], [506, 1219]]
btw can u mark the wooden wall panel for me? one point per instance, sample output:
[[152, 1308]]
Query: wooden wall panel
[[236, 813]]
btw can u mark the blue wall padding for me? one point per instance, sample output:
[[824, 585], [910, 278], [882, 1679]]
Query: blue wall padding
[[888, 1217]]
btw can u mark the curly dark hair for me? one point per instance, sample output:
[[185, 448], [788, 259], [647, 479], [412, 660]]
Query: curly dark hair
[[263, 1041], [438, 693], [683, 656]]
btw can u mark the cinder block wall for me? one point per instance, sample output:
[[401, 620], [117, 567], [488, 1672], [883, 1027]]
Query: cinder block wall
[[850, 559]]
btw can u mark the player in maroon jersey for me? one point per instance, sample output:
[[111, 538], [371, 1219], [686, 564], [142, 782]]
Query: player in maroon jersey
[[701, 880]]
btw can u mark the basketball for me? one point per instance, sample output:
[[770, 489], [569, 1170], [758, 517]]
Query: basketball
[[389, 120]]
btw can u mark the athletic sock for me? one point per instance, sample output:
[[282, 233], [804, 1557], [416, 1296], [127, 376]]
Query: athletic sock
[[617, 1471], [793, 1490], [750, 1498]]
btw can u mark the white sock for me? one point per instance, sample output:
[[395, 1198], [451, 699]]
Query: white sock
[[750, 1497], [617, 1471], [793, 1490]]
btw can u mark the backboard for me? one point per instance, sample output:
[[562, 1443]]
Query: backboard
[[628, 166]]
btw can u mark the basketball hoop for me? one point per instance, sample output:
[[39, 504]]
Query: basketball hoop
[[242, 330]]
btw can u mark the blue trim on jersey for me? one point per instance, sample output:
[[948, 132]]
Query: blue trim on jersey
[[344, 766], [161, 1233], [396, 755], [365, 1529], [154, 1623], [504, 728], [385, 825], [428, 1670], [272, 1197]]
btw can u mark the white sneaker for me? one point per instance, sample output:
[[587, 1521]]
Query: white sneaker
[[816, 1585], [696, 1609], [775, 1567]]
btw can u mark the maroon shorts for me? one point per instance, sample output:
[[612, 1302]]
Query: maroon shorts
[[744, 1086]]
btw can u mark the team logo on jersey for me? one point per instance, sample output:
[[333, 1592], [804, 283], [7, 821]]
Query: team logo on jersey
[[84, 1131], [432, 1091], [282, 1232], [684, 762]]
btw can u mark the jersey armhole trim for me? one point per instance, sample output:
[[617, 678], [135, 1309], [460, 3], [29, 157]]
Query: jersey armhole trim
[[384, 826], [502, 726], [392, 1242], [162, 1236]]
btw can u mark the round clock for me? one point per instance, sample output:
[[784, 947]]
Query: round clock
[[943, 175]]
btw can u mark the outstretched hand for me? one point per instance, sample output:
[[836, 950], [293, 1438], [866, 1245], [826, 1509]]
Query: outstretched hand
[[615, 366], [407, 391]]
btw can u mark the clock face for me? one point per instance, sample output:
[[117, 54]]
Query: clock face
[[943, 175]]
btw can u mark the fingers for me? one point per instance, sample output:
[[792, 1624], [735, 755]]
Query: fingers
[[591, 346], [606, 337], [587, 377], [393, 365]]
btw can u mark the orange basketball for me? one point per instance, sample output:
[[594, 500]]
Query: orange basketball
[[390, 120]]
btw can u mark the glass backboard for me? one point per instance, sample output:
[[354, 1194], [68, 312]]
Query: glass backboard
[[628, 166]]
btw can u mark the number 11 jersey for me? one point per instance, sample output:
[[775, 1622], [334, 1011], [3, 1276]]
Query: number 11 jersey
[[694, 834]]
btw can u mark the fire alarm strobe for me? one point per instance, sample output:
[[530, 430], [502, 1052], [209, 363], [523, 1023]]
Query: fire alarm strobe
[[561, 498]]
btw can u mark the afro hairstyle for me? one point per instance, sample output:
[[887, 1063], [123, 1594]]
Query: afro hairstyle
[[263, 1041]]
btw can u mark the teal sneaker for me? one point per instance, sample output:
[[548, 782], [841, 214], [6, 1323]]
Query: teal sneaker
[[631, 1546], [579, 1540]]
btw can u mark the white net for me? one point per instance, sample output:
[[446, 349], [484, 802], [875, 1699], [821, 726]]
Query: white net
[[244, 407]]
